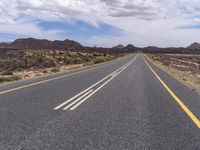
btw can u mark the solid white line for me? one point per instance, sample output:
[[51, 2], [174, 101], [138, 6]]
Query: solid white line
[[78, 99], [80, 102]]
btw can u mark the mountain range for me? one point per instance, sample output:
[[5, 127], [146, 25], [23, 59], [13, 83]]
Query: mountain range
[[36, 44], [43, 44], [194, 46]]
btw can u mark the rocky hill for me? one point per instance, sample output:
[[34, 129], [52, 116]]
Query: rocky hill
[[120, 46], [4, 45], [43, 44], [38, 44], [194, 46]]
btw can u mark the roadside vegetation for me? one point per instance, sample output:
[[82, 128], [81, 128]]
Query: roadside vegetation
[[183, 67], [10, 78], [19, 64]]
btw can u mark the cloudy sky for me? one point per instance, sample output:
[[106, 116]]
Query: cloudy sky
[[103, 22]]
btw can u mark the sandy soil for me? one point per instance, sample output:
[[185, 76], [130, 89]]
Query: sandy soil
[[189, 78]]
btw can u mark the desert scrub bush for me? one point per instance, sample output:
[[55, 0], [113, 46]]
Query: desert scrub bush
[[74, 60], [109, 58], [50, 62], [89, 63], [44, 71], [87, 59], [7, 72], [99, 59], [54, 70], [166, 62], [10, 78]]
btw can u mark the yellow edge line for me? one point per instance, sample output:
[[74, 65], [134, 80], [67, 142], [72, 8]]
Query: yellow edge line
[[181, 104], [52, 79]]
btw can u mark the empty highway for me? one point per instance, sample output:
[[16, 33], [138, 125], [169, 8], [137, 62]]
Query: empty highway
[[127, 104]]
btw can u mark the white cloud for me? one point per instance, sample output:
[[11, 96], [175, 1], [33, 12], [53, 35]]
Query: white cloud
[[149, 22]]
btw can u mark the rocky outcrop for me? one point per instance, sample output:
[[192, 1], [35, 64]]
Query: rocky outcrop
[[194, 46]]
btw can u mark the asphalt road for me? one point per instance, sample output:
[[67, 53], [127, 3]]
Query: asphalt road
[[125, 105]]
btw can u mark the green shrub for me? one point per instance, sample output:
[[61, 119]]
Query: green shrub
[[10, 79], [99, 59], [89, 63], [1, 79], [50, 62], [74, 60], [55, 70], [108, 58]]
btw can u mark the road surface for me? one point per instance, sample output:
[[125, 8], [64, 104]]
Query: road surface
[[126, 104]]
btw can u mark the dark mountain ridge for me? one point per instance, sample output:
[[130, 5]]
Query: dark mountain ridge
[[193, 46], [43, 44], [36, 44], [120, 46]]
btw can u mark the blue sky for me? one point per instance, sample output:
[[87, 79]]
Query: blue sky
[[9, 37], [79, 30], [103, 22], [197, 26]]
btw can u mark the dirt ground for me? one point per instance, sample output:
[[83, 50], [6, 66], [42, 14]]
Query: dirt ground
[[183, 67]]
